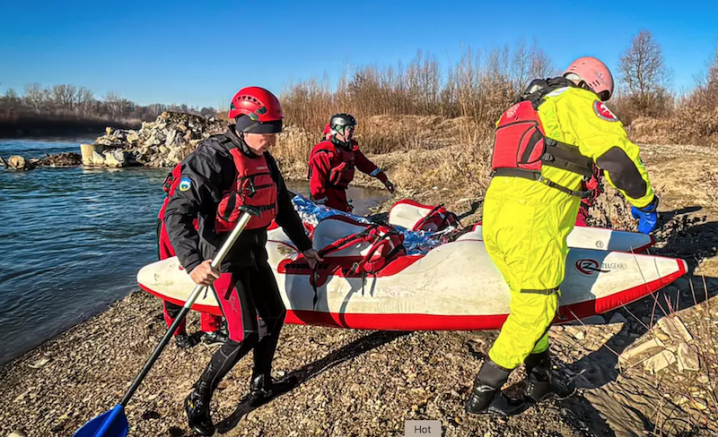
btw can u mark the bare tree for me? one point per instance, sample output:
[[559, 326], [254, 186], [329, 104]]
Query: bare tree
[[35, 96], [114, 103], [85, 100], [11, 102], [645, 75], [521, 64], [529, 63], [540, 65], [706, 93], [63, 96]]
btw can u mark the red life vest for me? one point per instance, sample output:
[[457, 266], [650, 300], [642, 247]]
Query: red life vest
[[521, 147], [342, 171], [253, 186]]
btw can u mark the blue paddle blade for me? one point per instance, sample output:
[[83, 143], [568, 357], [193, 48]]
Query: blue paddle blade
[[112, 423]]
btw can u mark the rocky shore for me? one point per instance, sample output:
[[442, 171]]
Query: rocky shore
[[358, 383], [161, 143]]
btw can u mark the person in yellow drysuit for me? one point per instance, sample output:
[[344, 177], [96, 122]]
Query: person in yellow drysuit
[[529, 212]]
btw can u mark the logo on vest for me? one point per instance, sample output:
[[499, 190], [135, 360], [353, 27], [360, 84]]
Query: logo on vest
[[185, 184], [511, 112], [262, 168], [603, 112]]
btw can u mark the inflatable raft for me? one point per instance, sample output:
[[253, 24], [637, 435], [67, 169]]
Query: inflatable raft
[[370, 280]]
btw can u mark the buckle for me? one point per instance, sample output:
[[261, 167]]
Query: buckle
[[252, 190]]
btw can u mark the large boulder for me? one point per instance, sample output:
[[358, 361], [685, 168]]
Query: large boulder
[[96, 159], [115, 158], [66, 159], [174, 139], [164, 142], [19, 163]]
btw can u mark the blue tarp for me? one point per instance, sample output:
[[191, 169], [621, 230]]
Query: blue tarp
[[415, 242]]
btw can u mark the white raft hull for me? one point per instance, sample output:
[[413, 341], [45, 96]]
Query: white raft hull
[[453, 287]]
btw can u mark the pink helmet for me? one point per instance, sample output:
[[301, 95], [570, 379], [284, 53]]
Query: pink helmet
[[595, 74]]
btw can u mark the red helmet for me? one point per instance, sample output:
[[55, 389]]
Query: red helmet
[[595, 74], [262, 110]]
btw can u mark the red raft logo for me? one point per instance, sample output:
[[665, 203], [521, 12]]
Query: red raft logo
[[589, 267], [603, 112]]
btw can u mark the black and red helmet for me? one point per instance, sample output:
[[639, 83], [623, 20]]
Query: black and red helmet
[[256, 110], [343, 124]]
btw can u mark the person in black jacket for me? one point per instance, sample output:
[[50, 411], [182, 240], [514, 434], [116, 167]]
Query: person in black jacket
[[227, 171]]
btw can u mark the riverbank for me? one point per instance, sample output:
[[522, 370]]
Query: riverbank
[[368, 383]]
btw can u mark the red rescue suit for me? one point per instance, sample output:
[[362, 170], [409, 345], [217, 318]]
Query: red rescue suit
[[331, 170], [208, 322]]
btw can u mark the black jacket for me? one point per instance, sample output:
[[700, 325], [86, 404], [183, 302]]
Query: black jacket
[[211, 172]]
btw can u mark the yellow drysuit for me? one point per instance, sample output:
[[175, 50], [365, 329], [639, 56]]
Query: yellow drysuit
[[526, 223]]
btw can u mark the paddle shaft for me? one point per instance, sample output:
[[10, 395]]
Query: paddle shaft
[[243, 220]]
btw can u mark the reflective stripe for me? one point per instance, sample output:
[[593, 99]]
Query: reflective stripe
[[557, 92], [375, 172]]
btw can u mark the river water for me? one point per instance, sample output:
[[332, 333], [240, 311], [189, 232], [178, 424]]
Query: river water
[[73, 240]]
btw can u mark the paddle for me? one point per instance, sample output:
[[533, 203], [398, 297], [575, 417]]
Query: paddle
[[113, 423]]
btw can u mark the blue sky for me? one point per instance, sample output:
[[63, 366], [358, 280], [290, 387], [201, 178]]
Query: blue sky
[[200, 52]]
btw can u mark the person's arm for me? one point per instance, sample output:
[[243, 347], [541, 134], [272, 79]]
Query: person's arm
[[198, 190], [319, 169], [602, 138], [365, 165]]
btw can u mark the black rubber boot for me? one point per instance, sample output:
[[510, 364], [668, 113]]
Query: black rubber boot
[[540, 383], [262, 388], [487, 397], [197, 407], [216, 337], [184, 341]]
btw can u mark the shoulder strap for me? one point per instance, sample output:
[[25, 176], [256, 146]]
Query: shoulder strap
[[539, 88], [225, 141], [324, 147]]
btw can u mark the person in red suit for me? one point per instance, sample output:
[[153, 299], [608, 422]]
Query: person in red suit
[[332, 164]]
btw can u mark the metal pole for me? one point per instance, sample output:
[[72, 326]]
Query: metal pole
[[244, 219]]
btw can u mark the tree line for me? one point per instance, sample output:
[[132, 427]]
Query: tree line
[[483, 83], [80, 103]]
